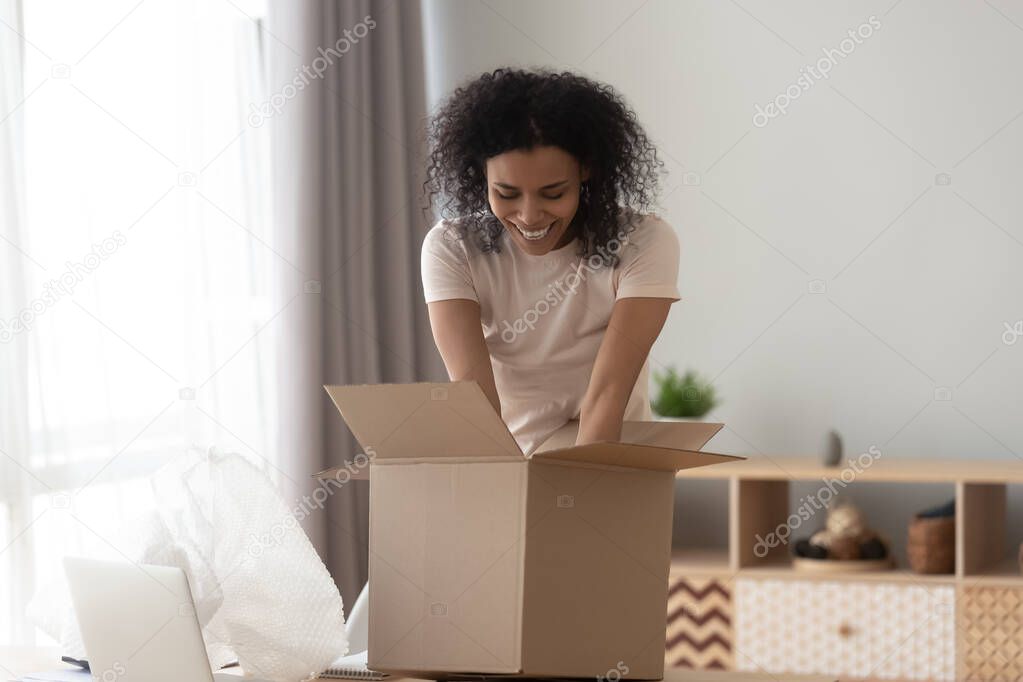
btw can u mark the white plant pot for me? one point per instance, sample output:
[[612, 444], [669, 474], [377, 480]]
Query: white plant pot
[[661, 418]]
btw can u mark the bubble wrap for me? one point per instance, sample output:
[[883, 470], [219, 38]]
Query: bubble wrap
[[262, 594]]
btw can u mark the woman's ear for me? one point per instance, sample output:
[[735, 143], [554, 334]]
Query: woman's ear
[[584, 174]]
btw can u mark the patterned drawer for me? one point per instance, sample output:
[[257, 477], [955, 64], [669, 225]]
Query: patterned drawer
[[992, 627], [699, 624], [879, 630]]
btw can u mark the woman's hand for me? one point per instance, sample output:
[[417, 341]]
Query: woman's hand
[[634, 326], [458, 333]]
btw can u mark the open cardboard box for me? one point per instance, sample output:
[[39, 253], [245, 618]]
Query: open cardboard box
[[483, 561]]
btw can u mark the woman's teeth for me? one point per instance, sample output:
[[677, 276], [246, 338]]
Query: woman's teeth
[[535, 235]]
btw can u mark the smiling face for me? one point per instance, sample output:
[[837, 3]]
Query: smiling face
[[535, 195]]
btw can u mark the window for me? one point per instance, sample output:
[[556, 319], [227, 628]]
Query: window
[[143, 266]]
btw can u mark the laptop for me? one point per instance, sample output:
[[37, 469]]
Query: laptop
[[138, 623]]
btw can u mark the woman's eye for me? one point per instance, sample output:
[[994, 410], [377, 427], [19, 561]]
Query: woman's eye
[[506, 197], [557, 197]]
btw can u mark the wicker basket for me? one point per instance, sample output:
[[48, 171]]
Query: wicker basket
[[931, 544]]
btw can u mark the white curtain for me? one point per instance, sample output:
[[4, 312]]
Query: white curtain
[[136, 272], [14, 482]]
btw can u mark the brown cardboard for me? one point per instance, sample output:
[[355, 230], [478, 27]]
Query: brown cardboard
[[665, 433], [486, 562]]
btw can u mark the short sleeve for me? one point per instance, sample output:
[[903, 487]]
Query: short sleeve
[[445, 265], [648, 266]]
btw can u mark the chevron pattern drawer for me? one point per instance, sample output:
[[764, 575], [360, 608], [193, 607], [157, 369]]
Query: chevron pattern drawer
[[699, 631], [866, 629], [992, 627]]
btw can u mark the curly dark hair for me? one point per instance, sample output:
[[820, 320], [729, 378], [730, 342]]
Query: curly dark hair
[[510, 109]]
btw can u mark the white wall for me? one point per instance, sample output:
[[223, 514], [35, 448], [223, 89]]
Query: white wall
[[920, 277]]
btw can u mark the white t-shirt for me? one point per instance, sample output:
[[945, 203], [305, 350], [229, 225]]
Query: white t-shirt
[[544, 317]]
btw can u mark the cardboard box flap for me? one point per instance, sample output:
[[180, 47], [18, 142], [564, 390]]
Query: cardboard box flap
[[669, 434], [397, 421], [635, 456]]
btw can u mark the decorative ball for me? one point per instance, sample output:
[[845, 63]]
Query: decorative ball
[[822, 538], [816, 552], [844, 548], [845, 520], [805, 550], [873, 549]]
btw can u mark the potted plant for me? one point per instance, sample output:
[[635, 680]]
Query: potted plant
[[688, 397]]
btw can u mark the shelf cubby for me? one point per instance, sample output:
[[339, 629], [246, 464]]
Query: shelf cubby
[[760, 509], [990, 542], [700, 530], [980, 527]]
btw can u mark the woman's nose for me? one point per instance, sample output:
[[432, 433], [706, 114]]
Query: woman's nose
[[531, 213]]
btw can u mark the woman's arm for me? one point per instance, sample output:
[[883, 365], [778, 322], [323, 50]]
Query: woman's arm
[[459, 337], [634, 326]]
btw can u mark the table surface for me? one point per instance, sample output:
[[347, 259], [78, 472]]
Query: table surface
[[17, 661]]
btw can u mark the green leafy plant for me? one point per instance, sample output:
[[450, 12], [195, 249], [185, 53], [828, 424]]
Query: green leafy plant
[[686, 396]]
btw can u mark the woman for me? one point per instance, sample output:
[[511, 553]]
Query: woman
[[550, 283]]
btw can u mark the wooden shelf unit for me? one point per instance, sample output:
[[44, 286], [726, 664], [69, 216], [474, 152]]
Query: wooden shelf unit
[[759, 492], [759, 503]]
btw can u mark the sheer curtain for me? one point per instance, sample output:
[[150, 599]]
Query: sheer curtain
[[14, 483], [348, 164], [136, 273]]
